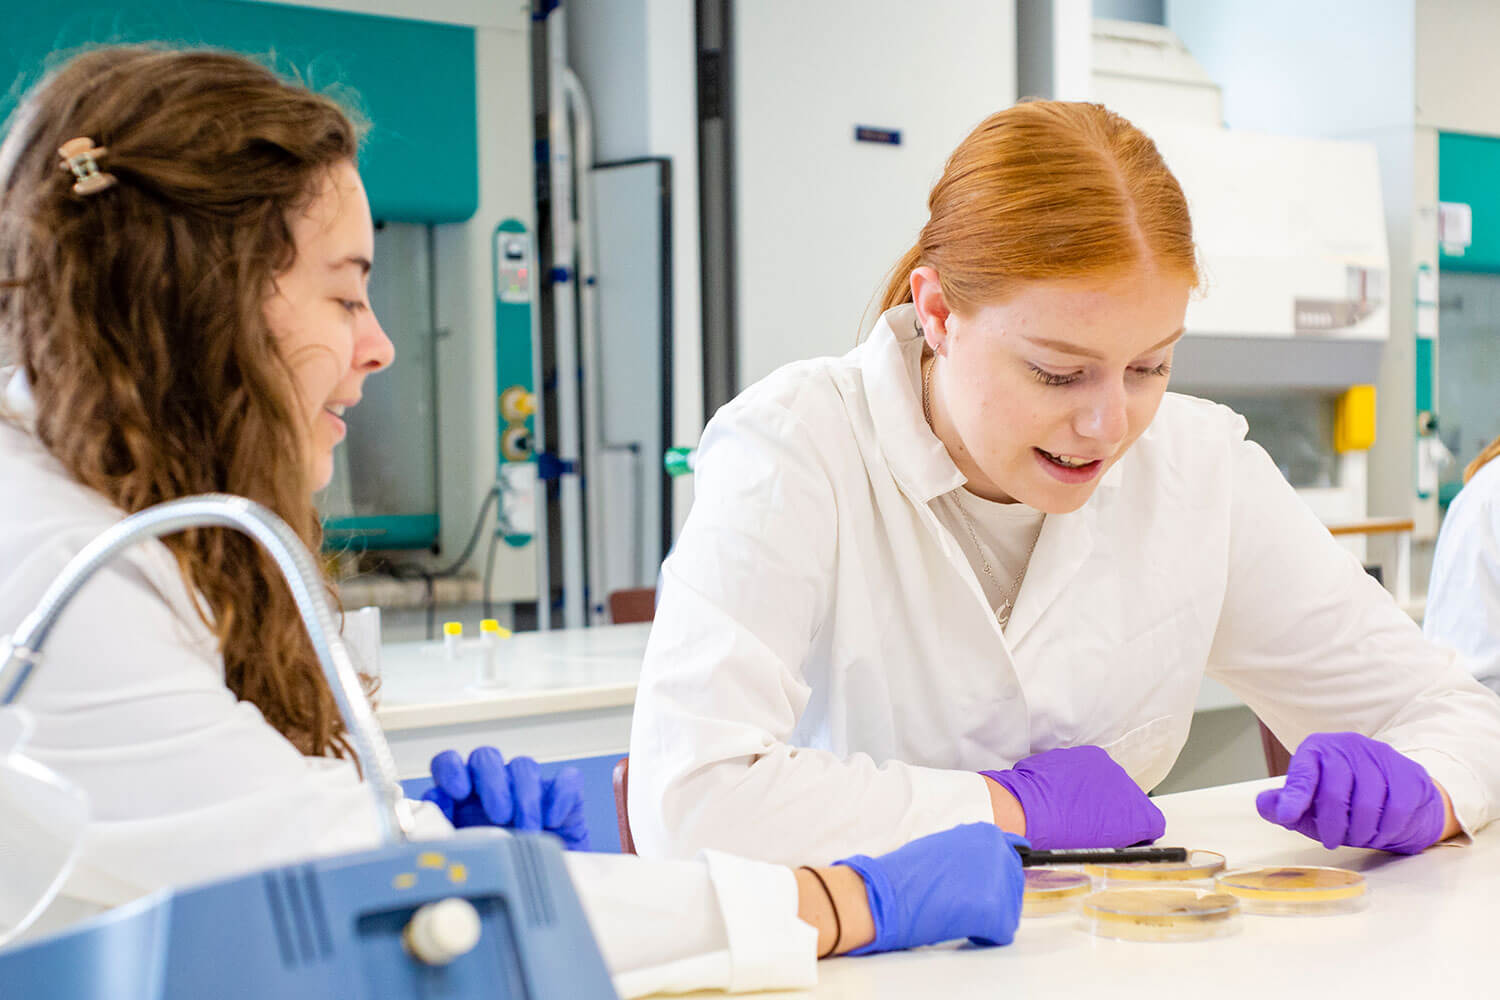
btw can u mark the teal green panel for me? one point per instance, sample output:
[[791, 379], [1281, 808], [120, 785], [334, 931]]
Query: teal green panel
[[513, 356], [512, 321], [1469, 172], [394, 531], [413, 81], [1424, 373]]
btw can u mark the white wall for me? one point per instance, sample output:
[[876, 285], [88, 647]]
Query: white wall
[[637, 60], [672, 83], [1332, 68], [1458, 76], [821, 218], [607, 49]]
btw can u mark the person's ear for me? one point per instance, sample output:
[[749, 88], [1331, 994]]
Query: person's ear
[[932, 307]]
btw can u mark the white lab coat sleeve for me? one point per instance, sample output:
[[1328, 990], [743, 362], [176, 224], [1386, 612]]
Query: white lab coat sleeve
[[720, 922], [1463, 593], [185, 783], [1313, 644], [712, 763]]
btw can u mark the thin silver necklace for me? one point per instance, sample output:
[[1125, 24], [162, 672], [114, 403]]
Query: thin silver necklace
[[1002, 613]]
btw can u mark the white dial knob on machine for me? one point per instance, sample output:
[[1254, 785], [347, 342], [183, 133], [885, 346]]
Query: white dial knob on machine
[[440, 932]]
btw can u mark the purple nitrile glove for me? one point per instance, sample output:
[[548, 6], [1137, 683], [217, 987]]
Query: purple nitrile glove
[[1079, 797], [487, 791], [963, 882], [1345, 788]]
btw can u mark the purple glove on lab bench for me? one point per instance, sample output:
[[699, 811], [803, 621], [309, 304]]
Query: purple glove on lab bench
[[1344, 788], [1079, 797], [963, 882]]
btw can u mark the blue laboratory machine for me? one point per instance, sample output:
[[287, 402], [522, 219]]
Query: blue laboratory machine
[[481, 914]]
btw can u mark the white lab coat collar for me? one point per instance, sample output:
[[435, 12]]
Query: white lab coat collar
[[925, 471], [16, 402], [891, 365]]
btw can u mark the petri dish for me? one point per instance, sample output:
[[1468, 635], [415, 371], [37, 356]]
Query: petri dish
[[1160, 914], [1050, 891], [1296, 891], [1200, 866]]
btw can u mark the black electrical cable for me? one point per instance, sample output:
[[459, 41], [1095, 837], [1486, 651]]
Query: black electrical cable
[[431, 602], [489, 498], [411, 571], [489, 569]]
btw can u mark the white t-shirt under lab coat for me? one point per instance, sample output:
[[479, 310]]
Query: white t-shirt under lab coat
[[997, 535], [1463, 594], [187, 784], [825, 674]]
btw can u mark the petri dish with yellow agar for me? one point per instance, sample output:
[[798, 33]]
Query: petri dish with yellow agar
[[1296, 891], [1050, 891], [1200, 867], [1160, 914]]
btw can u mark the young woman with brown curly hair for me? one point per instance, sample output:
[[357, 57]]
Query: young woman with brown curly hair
[[184, 249]]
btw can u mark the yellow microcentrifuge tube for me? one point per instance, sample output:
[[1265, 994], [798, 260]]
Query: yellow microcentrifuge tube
[[453, 634], [491, 634]]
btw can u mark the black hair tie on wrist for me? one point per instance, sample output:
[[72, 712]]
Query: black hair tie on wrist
[[838, 928]]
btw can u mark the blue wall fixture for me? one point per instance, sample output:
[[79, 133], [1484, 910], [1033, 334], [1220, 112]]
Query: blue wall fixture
[[413, 81]]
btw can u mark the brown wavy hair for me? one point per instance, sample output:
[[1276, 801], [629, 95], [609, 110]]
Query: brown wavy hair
[[137, 315], [1047, 191]]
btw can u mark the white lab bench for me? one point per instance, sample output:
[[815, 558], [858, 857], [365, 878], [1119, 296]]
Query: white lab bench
[[1427, 930], [569, 694]]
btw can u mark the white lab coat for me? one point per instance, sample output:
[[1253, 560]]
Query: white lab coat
[[1463, 595], [186, 784], [824, 675]]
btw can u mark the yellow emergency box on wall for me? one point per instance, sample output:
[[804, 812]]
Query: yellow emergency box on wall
[[1354, 419]]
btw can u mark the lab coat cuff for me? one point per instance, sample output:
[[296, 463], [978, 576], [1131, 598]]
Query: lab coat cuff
[[951, 798], [769, 947], [1471, 806]]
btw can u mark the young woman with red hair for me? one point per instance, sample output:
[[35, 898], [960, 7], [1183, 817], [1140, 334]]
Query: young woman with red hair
[[976, 569]]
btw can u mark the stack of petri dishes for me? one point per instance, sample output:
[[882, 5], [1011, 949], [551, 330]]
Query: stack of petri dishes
[[1192, 900]]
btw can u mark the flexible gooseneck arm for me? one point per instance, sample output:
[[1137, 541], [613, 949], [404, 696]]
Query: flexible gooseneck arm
[[23, 652]]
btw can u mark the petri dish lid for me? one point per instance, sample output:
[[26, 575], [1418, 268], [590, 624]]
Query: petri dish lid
[[1051, 883], [1050, 890], [1301, 885], [1200, 865], [1160, 914]]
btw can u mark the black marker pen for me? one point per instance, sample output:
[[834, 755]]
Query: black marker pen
[[1101, 855]]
